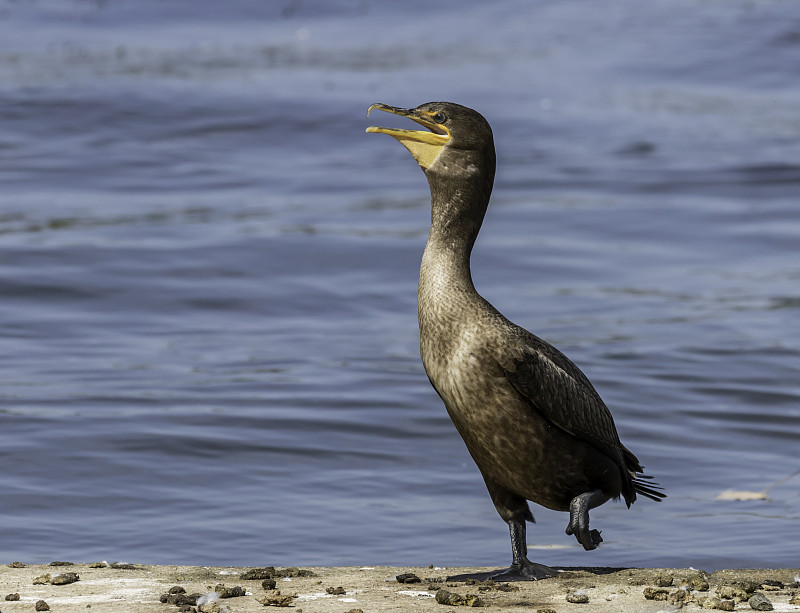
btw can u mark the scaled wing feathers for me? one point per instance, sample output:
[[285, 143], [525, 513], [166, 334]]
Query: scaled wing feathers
[[562, 393]]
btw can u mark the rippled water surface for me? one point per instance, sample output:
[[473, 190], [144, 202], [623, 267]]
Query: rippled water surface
[[209, 345]]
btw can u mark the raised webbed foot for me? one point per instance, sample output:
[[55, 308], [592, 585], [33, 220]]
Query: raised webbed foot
[[579, 519], [590, 539]]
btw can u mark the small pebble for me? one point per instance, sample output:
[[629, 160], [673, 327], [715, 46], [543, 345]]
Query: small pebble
[[680, 597], [451, 598], [651, 593], [42, 579], [795, 599], [759, 602], [335, 591], [297, 572], [712, 602], [447, 597], [545, 611], [179, 598], [709, 602], [269, 584], [16, 565], [230, 592], [64, 579], [354, 611], [471, 600], [269, 572], [696, 582], [266, 572], [274, 598], [732, 592], [664, 580], [577, 597], [12, 597], [408, 578], [747, 586], [41, 605]]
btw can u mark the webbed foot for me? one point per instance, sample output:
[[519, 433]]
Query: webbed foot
[[524, 571], [590, 539], [579, 519]]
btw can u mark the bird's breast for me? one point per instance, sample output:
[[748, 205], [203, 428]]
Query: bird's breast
[[466, 374], [452, 365]]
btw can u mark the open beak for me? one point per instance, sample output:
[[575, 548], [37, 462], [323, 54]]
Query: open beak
[[424, 145]]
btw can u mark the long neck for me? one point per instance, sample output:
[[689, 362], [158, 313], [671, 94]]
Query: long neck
[[460, 191]]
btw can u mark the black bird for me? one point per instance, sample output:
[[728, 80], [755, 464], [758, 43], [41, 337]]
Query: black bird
[[531, 420]]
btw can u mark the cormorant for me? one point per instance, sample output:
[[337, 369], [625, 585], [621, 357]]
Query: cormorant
[[534, 424]]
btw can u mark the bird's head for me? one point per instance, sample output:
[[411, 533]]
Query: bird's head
[[450, 127]]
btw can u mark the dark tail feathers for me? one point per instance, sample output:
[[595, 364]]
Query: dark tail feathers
[[653, 491]]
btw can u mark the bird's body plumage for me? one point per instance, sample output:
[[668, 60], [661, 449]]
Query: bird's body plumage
[[534, 424]]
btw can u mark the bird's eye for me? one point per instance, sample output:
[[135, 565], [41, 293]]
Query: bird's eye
[[440, 117]]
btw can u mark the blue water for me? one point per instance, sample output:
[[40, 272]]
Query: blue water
[[209, 349]]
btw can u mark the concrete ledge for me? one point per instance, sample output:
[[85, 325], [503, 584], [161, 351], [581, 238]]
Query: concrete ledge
[[139, 588]]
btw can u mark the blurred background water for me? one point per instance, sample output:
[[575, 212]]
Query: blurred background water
[[209, 347]]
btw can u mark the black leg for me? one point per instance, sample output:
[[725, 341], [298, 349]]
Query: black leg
[[521, 569], [519, 546], [579, 518], [514, 511]]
